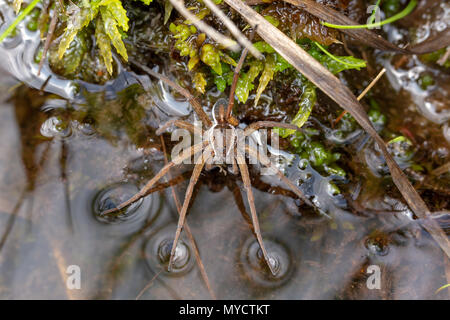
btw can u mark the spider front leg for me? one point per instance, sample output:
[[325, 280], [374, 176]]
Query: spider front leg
[[268, 124], [251, 200], [143, 192], [178, 123], [194, 178], [265, 161]]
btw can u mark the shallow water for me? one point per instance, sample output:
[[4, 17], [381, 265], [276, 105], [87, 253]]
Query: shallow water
[[58, 171]]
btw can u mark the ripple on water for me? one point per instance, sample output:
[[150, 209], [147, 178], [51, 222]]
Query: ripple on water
[[128, 219], [157, 253], [255, 267]]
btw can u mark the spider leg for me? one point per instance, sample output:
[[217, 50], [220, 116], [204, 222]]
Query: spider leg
[[194, 178], [194, 102], [194, 150], [178, 123], [268, 188], [239, 200], [264, 160], [234, 83], [236, 77], [268, 124], [235, 169], [248, 188], [164, 185]]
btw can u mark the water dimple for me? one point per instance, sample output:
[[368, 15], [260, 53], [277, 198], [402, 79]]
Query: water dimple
[[256, 268], [157, 253], [181, 256], [111, 196]]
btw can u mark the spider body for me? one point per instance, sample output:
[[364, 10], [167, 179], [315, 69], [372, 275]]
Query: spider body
[[224, 143]]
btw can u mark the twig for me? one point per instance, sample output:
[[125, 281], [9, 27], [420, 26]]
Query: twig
[[233, 29], [371, 84], [148, 284], [234, 83], [444, 58], [237, 70], [441, 170], [213, 34], [48, 40]]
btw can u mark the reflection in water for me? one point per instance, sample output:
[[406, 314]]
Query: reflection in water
[[28, 123]]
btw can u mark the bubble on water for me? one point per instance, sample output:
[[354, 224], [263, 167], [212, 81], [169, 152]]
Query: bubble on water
[[55, 127], [317, 188], [85, 128]]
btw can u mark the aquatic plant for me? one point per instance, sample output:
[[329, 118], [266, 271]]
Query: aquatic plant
[[110, 22], [409, 8]]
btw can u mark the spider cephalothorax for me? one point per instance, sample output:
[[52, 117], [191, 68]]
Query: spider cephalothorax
[[223, 143]]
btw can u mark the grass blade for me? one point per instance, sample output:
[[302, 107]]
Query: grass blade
[[368, 37], [409, 8], [22, 16]]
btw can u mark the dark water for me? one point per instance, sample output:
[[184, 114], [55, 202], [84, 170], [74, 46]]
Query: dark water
[[62, 162]]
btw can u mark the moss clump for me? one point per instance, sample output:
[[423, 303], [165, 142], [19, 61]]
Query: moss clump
[[306, 145]]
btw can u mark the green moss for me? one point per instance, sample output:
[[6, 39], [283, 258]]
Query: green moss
[[307, 147], [33, 24], [210, 56], [70, 63], [376, 117], [433, 57], [426, 81], [391, 7]]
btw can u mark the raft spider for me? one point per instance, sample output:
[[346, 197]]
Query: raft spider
[[213, 152]]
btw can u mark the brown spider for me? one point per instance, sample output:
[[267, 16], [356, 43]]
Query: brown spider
[[222, 140]]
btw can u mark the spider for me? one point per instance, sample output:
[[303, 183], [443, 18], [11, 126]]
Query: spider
[[220, 145]]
